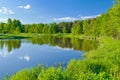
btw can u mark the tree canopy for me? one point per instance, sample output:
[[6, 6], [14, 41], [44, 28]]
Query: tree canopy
[[107, 24]]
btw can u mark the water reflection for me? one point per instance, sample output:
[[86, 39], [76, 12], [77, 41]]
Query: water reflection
[[6, 46], [26, 58], [25, 53], [10, 44], [72, 43]]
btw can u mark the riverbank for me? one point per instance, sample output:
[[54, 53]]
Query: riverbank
[[12, 36], [5, 36], [29, 35], [100, 64]]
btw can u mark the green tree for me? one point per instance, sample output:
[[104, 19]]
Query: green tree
[[64, 30], [1, 27], [17, 30], [53, 28], [9, 23], [77, 27], [46, 29]]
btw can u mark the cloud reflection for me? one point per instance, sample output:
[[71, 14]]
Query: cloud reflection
[[5, 53], [26, 58], [66, 49]]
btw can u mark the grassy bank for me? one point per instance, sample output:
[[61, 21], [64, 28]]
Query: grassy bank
[[29, 35], [34, 35], [100, 64], [26, 35], [12, 36]]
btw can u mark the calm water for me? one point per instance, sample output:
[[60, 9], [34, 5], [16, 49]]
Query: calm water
[[17, 54]]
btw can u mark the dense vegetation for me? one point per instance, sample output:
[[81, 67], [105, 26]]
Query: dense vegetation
[[100, 64], [105, 25]]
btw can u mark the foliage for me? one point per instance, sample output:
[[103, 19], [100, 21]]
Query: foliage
[[107, 24], [27, 74], [100, 64]]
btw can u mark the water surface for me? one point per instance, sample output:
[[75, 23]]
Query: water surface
[[17, 54]]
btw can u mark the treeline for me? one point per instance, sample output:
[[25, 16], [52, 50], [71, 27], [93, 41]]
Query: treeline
[[12, 26], [15, 26], [105, 25]]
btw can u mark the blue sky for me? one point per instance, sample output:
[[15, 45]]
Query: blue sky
[[46, 11]]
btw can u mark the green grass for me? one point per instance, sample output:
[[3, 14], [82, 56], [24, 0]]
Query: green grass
[[100, 64], [13, 36], [31, 35]]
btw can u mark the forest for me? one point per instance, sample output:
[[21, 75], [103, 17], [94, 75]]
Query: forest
[[100, 64], [107, 24]]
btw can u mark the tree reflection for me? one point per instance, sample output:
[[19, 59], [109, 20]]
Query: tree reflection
[[10, 44], [75, 43]]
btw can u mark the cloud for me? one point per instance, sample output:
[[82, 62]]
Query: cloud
[[5, 10], [25, 7], [74, 18], [89, 17], [66, 19], [3, 19], [26, 58], [20, 6]]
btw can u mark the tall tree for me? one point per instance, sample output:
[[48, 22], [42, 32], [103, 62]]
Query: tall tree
[[1, 27]]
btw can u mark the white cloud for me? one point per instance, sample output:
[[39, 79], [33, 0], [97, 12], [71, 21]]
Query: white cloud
[[3, 19], [26, 58], [66, 19], [5, 10], [88, 17], [20, 6], [74, 18], [25, 7]]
